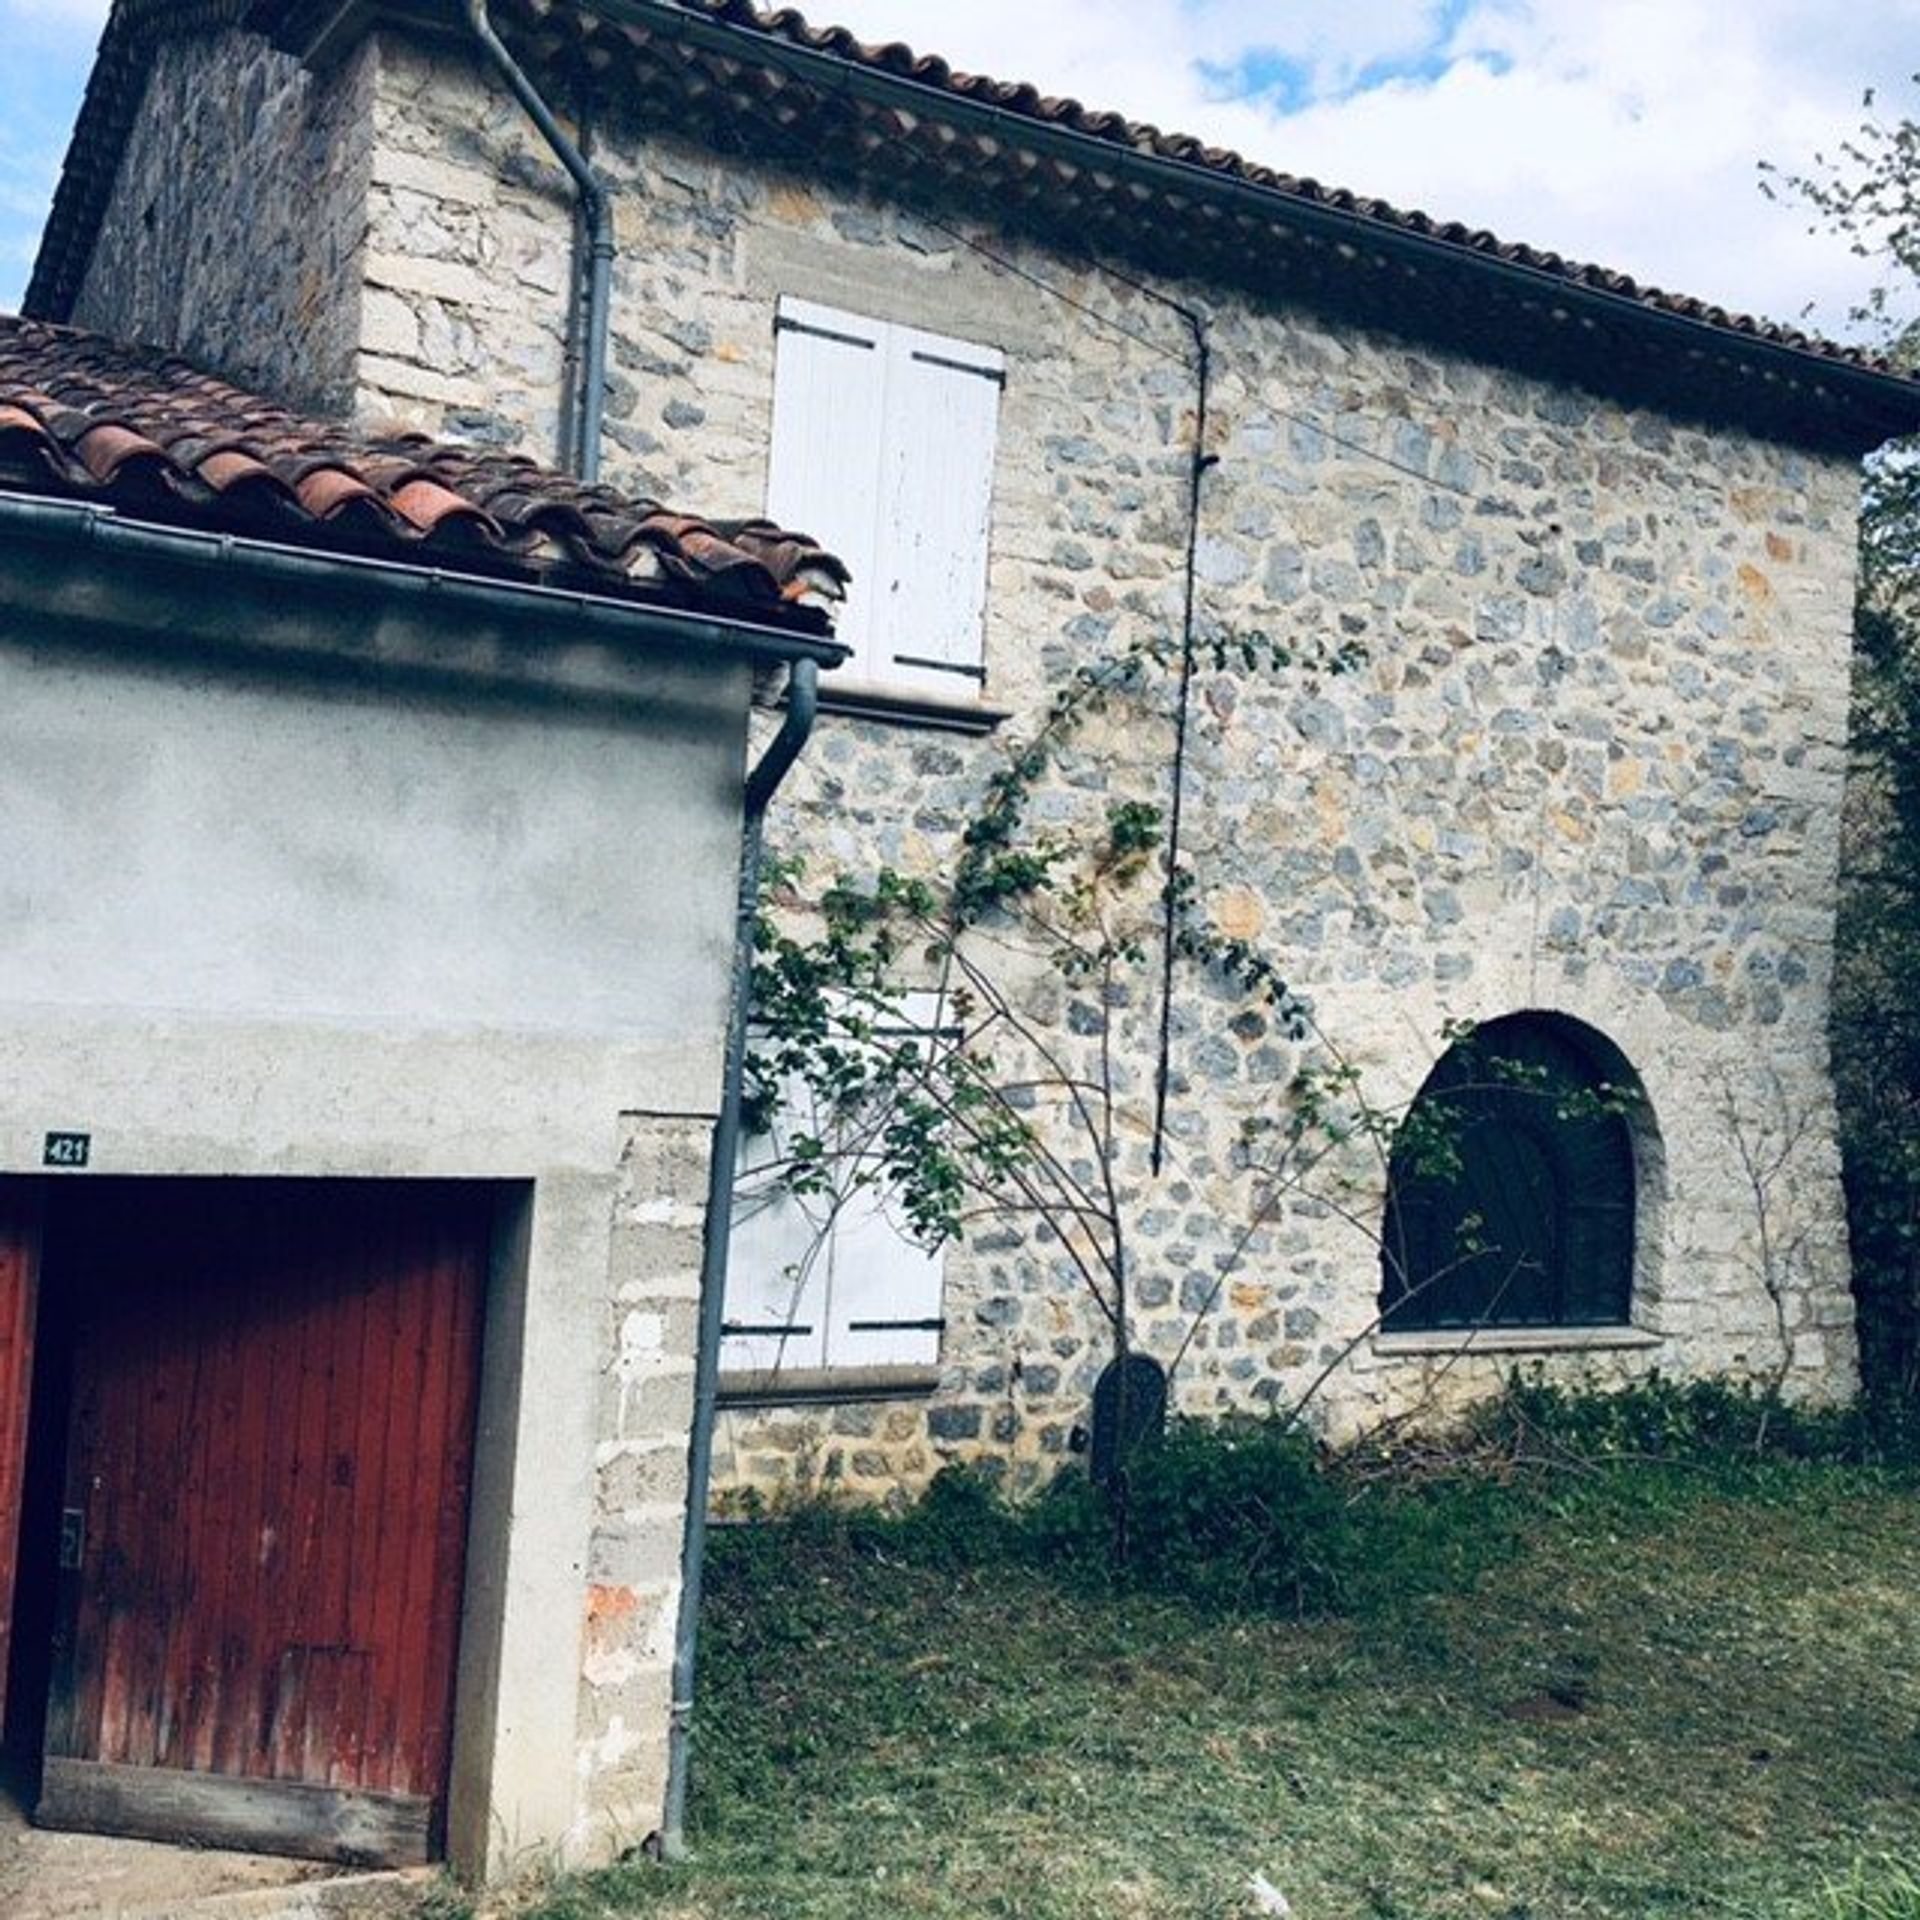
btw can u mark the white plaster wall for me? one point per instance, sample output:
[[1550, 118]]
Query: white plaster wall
[[365, 856]]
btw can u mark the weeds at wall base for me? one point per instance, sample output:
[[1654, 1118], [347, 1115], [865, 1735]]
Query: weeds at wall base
[[1525, 1618], [1253, 1516]]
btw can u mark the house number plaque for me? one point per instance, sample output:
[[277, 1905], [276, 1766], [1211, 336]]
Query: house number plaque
[[68, 1150]]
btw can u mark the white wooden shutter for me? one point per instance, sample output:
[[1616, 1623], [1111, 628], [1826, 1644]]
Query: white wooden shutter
[[813, 1283], [886, 1292], [927, 628], [778, 1266], [823, 472], [885, 1298]]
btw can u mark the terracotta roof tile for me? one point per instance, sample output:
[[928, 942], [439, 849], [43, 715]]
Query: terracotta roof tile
[[85, 416]]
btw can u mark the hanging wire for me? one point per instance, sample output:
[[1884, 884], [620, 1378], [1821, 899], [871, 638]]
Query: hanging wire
[[842, 96]]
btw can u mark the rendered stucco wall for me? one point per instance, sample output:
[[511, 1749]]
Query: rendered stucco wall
[[270, 919]]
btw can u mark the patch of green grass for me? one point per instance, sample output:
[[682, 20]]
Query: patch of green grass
[[1640, 1691], [1874, 1891]]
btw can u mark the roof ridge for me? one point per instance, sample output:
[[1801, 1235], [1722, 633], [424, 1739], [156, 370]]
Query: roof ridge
[[1024, 99]]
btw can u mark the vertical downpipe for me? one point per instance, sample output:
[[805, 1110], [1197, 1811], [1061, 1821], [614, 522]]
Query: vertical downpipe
[[1202, 463], [803, 700], [584, 410]]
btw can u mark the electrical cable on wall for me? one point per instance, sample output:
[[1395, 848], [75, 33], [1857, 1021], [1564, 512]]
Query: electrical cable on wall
[[843, 97], [1202, 462]]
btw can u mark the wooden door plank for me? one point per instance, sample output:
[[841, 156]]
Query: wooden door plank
[[295, 1514], [434, 1274], [212, 1652], [466, 1295], [333, 1751], [257, 1816], [386, 1729], [20, 1228], [352, 1762], [377, 1546]]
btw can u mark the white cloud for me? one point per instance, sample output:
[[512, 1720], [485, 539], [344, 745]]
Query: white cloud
[[1622, 131]]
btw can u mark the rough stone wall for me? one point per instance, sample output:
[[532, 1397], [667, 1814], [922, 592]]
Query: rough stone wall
[[468, 262], [233, 233], [633, 1573], [1592, 763]]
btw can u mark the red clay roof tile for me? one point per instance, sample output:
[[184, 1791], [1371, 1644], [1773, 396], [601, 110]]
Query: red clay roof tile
[[85, 416]]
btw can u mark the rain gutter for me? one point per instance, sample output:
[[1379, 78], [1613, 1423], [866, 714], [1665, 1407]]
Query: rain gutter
[[834, 74], [560, 613]]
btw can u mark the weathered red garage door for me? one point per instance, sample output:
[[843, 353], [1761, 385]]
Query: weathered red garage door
[[267, 1470]]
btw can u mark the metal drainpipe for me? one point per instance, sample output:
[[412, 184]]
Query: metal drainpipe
[[582, 429], [803, 701]]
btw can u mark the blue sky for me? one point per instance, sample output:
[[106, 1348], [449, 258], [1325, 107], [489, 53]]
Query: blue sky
[[46, 48], [1623, 131]]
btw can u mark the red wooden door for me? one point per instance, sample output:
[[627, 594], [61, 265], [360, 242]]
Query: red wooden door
[[268, 1457], [19, 1300]]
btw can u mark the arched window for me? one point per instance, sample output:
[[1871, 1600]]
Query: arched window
[[1510, 1197]]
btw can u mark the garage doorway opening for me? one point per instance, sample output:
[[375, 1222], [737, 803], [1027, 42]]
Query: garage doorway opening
[[237, 1423]]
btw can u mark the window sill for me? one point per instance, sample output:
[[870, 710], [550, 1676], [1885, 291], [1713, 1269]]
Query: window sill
[[910, 707], [1534, 1340], [827, 1386]]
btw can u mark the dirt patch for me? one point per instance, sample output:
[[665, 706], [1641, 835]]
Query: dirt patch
[[83, 1876]]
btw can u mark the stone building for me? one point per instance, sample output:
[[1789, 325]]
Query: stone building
[[1594, 544]]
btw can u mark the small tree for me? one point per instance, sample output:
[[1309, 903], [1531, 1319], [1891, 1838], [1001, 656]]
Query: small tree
[[984, 1109]]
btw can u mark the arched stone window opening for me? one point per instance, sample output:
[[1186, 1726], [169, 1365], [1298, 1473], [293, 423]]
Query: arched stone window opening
[[1516, 1188]]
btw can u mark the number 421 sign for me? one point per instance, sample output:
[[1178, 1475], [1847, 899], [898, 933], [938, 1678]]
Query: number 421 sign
[[68, 1150]]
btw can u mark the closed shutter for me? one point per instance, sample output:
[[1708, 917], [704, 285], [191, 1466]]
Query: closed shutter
[[777, 1269], [883, 449], [829, 423], [936, 490], [885, 1303], [812, 1285]]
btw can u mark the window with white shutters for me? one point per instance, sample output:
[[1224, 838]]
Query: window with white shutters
[[817, 1282], [883, 450]]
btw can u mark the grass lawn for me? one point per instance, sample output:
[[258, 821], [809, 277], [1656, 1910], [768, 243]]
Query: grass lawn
[[1666, 1695]]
